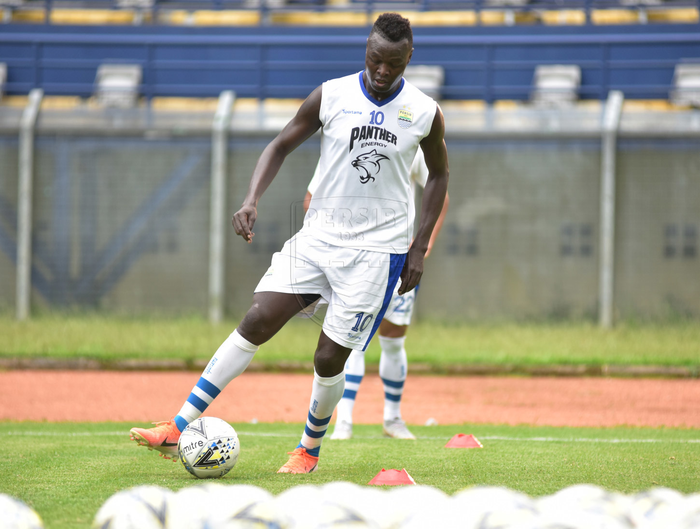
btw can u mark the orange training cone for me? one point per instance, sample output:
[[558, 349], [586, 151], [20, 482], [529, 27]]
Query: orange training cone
[[392, 477], [462, 440]]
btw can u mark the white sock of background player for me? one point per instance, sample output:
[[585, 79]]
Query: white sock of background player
[[393, 367], [354, 372], [229, 361], [325, 395]]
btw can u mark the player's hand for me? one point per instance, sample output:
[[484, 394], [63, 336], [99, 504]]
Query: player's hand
[[412, 271], [243, 221]]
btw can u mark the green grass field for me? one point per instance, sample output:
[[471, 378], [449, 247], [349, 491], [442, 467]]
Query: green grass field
[[433, 344], [66, 471]]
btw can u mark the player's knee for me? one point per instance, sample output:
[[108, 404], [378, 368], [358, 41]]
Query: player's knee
[[392, 346], [327, 363], [256, 325]]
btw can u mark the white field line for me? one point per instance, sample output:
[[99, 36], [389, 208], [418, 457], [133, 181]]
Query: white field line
[[426, 438]]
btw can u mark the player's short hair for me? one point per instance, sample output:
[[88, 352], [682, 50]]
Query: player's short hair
[[393, 27]]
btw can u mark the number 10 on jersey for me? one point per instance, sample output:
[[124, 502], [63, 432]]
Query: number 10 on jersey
[[376, 117], [362, 321]]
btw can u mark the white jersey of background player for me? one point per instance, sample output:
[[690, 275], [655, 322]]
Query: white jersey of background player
[[393, 365]]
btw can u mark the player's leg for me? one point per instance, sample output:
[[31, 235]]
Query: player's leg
[[393, 367], [352, 318], [269, 312], [327, 389], [393, 364], [354, 372]]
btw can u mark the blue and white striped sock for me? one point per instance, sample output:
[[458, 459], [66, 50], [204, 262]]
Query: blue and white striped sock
[[200, 398], [229, 361], [393, 366], [325, 395], [354, 372]]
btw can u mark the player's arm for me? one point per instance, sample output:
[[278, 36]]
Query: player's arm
[[435, 152], [299, 129], [438, 224]]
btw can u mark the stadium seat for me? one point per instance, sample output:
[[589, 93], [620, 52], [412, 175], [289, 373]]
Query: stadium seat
[[205, 17], [686, 84], [429, 79], [7, 7], [92, 16], [556, 85], [562, 17], [116, 85], [140, 8]]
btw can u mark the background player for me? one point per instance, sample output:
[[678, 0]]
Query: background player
[[352, 255], [393, 363]]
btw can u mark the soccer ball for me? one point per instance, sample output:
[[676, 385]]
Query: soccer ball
[[587, 499], [258, 515], [208, 447], [403, 503], [653, 505], [491, 507], [144, 507], [17, 514], [213, 505]]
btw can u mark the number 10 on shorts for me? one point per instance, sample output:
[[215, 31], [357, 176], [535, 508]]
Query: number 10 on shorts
[[362, 321]]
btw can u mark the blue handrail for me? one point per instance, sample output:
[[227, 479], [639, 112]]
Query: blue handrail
[[486, 66]]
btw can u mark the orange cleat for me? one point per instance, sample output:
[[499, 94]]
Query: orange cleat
[[300, 462], [163, 438]]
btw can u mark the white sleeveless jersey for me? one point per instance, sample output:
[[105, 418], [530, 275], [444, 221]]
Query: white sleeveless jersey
[[419, 174], [364, 197]]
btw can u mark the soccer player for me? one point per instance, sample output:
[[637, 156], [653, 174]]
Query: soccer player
[[393, 363], [355, 241]]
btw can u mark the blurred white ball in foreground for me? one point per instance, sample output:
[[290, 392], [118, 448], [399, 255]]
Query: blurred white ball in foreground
[[589, 499], [406, 502], [493, 507], [653, 504], [144, 507], [15, 514], [236, 505]]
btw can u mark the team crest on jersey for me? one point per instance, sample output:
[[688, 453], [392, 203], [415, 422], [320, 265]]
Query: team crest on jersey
[[405, 118], [368, 164]]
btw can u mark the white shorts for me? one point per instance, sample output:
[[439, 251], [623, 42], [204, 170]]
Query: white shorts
[[356, 284], [400, 309]]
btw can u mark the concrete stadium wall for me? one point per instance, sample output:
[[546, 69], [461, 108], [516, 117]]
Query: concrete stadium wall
[[658, 254], [522, 233], [121, 226], [9, 169]]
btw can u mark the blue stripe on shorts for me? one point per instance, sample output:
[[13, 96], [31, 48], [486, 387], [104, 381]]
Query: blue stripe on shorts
[[395, 268]]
